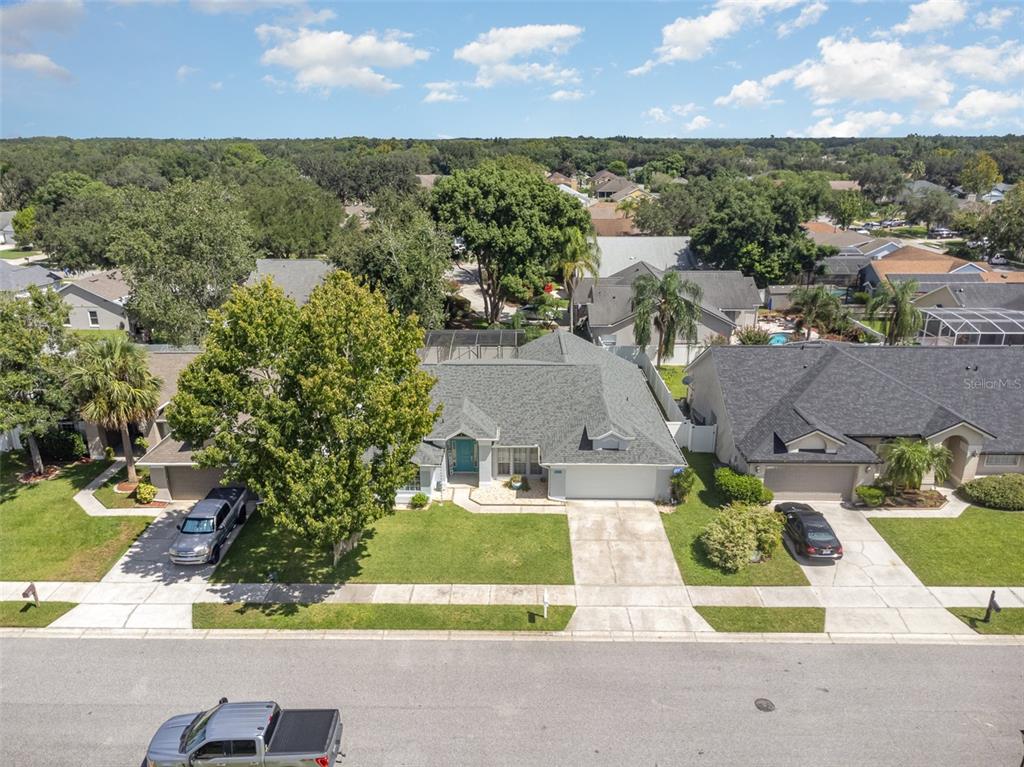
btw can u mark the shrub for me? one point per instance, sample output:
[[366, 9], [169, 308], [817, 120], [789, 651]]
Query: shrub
[[870, 495], [742, 488], [145, 493], [753, 336], [682, 484], [108, 452], [729, 541], [141, 444], [62, 445], [861, 297], [766, 526], [419, 501], [999, 491]]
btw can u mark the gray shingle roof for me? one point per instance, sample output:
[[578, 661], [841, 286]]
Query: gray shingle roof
[[660, 252], [773, 395], [297, 277], [559, 391], [15, 279], [985, 295], [845, 265]]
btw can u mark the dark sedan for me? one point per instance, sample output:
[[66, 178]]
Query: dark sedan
[[812, 535]]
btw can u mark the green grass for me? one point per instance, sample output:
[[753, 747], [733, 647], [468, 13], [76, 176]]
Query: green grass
[[688, 521], [441, 544], [47, 537], [1009, 621], [27, 615], [673, 375], [380, 616], [10, 255], [981, 547], [111, 499], [800, 620]]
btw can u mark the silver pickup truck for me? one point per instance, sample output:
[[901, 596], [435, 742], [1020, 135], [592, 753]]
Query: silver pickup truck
[[258, 734]]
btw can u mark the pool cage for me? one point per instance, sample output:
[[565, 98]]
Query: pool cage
[[443, 345], [972, 327]]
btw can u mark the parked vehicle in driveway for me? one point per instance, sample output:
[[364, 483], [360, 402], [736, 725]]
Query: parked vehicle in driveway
[[260, 734], [811, 534], [205, 529]]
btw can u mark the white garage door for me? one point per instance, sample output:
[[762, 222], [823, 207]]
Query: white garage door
[[187, 484], [611, 482], [815, 483]]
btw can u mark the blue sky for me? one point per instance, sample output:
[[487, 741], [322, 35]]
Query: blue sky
[[731, 68]]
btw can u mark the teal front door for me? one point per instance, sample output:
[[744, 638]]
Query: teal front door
[[465, 460]]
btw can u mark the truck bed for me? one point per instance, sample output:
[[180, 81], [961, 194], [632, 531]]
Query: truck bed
[[303, 731]]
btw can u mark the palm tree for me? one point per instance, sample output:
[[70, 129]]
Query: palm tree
[[112, 379], [581, 258], [908, 460], [671, 304], [817, 305], [896, 301], [917, 169], [628, 206]]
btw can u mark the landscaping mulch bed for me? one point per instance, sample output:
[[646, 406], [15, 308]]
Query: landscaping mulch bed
[[30, 477], [125, 487]]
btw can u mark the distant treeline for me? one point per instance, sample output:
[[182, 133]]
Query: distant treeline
[[356, 169]]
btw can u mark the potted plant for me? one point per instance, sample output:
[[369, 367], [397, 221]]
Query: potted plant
[[515, 482]]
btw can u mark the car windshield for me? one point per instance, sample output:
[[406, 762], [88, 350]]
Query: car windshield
[[195, 733], [197, 525], [819, 535]]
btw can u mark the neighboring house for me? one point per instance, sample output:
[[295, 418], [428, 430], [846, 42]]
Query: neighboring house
[[920, 187], [971, 327], [908, 260], [581, 422], [992, 197], [297, 277], [18, 279], [560, 179], [844, 186], [606, 314], [585, 201], [602, 177], [981, 295], [609, 221], [809, 418], [617, 189], [660, 252], [822, 233], [7, 227], [97, 302]]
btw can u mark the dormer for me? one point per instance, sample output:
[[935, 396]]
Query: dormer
[[814, 442]]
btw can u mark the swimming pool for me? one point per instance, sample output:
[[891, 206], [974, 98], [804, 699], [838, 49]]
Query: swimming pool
[[778, 339]]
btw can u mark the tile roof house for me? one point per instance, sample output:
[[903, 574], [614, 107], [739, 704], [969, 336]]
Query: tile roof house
[[808, 418], [844, 186], [97, 302], [573, 417], [297, 277], [18, 279], [910, 260], [605, 306]]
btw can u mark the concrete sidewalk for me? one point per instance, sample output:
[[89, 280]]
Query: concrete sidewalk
[[87, 501]]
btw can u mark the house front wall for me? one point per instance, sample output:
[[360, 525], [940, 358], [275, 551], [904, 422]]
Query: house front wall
[[109, 316], [999, 463]]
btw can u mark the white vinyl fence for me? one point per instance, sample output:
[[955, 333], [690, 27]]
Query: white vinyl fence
[[10, 440]]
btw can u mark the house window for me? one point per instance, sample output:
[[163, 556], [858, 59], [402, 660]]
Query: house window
[[517, 460], [504, 461], [1000, 460], [94, 318]]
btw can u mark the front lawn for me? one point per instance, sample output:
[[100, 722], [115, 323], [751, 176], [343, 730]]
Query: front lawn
[[800, 620], [981, 547], [112, 499], [1009, 621], [28, 615], [673, 376], [47, 537], [380, 616], [687, 522], [441, 544]]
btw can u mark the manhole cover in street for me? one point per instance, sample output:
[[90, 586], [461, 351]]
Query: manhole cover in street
[[763, 704]]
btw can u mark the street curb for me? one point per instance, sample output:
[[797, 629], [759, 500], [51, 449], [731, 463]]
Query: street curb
[[681, 637]]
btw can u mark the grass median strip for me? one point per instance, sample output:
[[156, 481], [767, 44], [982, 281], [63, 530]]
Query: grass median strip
[[441, 544], [380, 616], [796, 620], [28, 615], [981, 547], [684, 526], [1009, 621], [46, 535]]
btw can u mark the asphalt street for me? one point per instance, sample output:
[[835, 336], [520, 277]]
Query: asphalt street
[[409, 702]]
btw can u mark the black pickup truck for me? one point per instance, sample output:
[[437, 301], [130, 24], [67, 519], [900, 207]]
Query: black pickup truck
[[260, 734]]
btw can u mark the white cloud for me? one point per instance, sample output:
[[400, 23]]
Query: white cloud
[[994, 19], [998, 63], [809, 14], [854, 124], [689, 39], [980, 108], [932, 14], [697, 123], [684, 109], [658, 115], [566, 95], [217, 7], [307, 17], [442, 91], [36, 63], [280, 86], [336, 59], [494, 53], [217, 85], [184, 72], [749, 93]]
